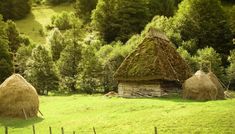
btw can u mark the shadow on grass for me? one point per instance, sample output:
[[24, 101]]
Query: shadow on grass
[[174, 98], [19, 123]]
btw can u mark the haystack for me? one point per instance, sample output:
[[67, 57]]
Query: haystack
[[203, 87], [154, 66], [18, 98], [216, 81]]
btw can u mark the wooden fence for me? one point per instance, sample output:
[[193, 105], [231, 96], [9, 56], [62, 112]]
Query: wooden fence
[[62, 130]]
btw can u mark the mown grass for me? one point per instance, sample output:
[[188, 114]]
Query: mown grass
[[128, 116], [38, 19]]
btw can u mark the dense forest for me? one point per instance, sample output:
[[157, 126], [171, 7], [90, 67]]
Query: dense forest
[[84, 48]]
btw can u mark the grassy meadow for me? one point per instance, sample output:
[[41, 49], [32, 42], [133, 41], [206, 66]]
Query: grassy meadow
[[128, 116], [38, 19]]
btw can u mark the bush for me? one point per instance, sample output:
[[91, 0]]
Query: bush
[[63, 21], [231, 69]]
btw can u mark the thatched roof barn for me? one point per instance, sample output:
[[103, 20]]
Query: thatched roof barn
[[153, 68], [18, 98], [203, 87]]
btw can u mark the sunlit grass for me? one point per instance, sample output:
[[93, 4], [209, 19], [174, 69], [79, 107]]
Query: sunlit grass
[[128, 116], [38, 19]]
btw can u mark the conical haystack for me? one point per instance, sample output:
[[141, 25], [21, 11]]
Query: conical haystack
[[18, 98], [200, 87], [217, 83]]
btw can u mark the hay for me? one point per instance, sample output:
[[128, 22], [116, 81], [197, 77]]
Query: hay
[[217, 83], [16, 95], [200, 87], [154, 59], [111, 94]]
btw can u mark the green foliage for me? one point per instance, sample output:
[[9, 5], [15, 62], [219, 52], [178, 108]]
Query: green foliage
[[231, 69], [205, 22], [119, 20], [112, 56], [209, 59], [15, 9], [161, 7], [5, 56], [166, 26], [83, 8], [188, 58], [56, 2], [89, 78], [68, 65], [232, 20], [56, 42], [41, 71], [23, 55], [63, 21], [13, 36]]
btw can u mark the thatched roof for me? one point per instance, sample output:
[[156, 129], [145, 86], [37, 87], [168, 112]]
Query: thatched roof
[[18, 98], [154, 59]]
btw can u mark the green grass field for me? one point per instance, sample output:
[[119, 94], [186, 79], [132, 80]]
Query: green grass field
[[128, 116], [38, 19]]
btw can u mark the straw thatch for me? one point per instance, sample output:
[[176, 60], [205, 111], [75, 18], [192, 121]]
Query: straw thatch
[[203, 87], [154, 59], [18, 98]]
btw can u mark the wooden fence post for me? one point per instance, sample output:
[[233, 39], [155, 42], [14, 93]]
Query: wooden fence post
[[94, 130], [50, 130], [62, 130], [6, 130], [155, 130], [34, 129]]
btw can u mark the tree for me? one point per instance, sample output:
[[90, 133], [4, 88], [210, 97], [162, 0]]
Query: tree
[[91, 70], [83, 8], [55, 2], [161, 7], [41, 71], [15, 9], [56, 41], [205, 22], [232, 19], [23, 54], [68, 65], [5, 56], [63, 21], [231, 68], [207, 59], [120, 19], [13, 36]]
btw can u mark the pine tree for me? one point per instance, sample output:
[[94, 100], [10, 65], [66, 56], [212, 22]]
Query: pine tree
[[41, 71], [13, 36]]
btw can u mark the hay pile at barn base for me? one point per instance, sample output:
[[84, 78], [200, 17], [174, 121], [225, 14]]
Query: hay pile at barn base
[[203, 87], [18, 98]]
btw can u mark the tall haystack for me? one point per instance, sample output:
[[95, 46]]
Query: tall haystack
[[152, 68], [203, 87], [18, 98], [216, 81]]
